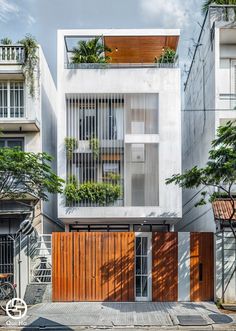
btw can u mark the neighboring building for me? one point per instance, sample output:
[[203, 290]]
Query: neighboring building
[[210, 100], [123, 122], [30, 123]]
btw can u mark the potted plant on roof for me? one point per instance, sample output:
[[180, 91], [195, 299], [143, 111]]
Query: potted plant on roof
[[90, 51], [168, 56]]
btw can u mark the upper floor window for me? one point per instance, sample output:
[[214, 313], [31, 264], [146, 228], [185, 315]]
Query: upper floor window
[[12, 142], [11, 99]]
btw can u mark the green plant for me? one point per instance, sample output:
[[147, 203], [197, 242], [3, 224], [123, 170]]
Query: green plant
[[6, 41], [90, 51], [218, 303], [94, 192], [71, 144], [207, 3], [113, 177], [94, 145], [30, 61], [168, 56], [219, 173], [27, 173]]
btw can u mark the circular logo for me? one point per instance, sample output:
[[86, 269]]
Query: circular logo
[[16, 308]]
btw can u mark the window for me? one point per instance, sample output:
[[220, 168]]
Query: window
[[12, 142], [99, 228], [11, 99]]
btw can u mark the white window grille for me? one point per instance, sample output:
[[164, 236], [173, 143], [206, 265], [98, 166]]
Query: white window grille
[[12, 99]]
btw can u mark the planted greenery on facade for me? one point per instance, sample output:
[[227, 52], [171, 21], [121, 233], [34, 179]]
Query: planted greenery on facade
[[168, 56], [70, 144], [90, 51], [30, 63], [101, 194]]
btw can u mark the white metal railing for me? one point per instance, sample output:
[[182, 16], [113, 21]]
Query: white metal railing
[[120, 65], [227, 102], [12, 54], [40, 250]]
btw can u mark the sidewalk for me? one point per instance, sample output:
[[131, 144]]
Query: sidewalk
[[142, 316]]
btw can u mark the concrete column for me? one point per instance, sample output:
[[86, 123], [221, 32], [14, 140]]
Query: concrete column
[[183, 266]]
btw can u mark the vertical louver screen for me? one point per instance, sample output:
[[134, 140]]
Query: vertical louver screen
[[95, 128], [98, 159]]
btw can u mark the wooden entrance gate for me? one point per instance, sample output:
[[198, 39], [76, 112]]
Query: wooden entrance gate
[[93, 266], [100, 266]]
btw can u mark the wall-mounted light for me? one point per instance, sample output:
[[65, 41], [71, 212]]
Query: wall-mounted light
[[116, 49]]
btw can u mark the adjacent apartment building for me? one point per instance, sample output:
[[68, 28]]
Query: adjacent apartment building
[[27, 120], [210, 101]]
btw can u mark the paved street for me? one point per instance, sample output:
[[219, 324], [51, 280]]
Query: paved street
[[73, 316]]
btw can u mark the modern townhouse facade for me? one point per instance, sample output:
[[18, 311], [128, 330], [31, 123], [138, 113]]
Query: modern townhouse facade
[[210, 101], [119, 138], [29, 122]]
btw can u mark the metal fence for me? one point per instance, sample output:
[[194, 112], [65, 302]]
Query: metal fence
[[40, 259], [7, 255]]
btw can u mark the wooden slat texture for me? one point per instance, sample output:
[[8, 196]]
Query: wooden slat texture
[[138, 49], [165, 266], [62, 271], [93, 266], [201, 252]]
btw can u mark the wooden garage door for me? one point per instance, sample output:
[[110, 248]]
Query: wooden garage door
[[165, 266], [201, 266], [101, 266]]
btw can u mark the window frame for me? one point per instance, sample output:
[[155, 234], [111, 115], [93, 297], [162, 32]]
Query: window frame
[[9, 105]]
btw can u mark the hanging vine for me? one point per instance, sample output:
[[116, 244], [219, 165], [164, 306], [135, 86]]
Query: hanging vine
[[30, 62]]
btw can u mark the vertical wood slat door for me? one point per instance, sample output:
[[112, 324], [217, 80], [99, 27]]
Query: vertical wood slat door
[[103, 266], [62, 267], [93, 266], [201, 266], [165, 266]]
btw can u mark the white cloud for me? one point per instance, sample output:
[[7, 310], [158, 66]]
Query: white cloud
[[31, 20], [169, 13], [7, 8]]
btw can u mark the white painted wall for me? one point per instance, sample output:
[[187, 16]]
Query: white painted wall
[[164, 82]]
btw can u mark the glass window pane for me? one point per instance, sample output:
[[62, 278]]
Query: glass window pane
[[144, 266], [138, 286], [138, 246], [144, 286], [15, 143], [138, 266], [144, 245]]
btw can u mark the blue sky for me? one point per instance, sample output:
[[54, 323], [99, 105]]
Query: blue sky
[[42, 18]]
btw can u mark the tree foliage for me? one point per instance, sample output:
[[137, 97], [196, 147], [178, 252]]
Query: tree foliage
[[27, 173], [219, 172], [90, 51]]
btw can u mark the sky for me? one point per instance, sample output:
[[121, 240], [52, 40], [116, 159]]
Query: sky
[[42, 18]]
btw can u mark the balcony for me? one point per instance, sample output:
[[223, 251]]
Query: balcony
[[12, 54], [17, 113]]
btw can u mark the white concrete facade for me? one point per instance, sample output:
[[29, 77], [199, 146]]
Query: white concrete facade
[[209, 102], [165, 83]]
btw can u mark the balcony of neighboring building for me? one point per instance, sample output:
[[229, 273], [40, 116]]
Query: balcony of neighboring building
[[123, 49], [17, 109]]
